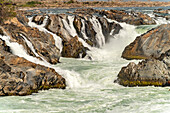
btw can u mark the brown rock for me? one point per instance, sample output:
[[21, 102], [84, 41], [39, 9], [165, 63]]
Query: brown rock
[[149, 45], [73, 48], [21, 77]]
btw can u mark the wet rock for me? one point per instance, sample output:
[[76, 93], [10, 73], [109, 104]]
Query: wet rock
[[74, 48], [134, 18], [162, 13], [146, 73], [149, 45], [38, 19], [21, 77], [43, 43]]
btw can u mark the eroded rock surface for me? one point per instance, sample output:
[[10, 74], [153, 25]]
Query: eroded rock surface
[[146, 73], [19, 76], [149, 45]]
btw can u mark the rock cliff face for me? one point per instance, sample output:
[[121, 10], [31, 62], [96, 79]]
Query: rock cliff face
[[21, 77], [149, 45], [148, 72]]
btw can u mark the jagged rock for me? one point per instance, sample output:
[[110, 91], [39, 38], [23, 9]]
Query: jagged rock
[[38, 19], [134, 18], [43, 43], [162, 13], [21, 77], [74, 48], [56, 26], [22, 18], [149, 45], [146, 73], [107, 28]]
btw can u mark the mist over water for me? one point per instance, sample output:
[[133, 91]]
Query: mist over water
[[90, 86]]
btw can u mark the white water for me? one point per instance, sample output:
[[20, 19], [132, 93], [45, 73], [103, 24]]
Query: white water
[[58, 40], [90, 85], [98, 29], [30, 45]]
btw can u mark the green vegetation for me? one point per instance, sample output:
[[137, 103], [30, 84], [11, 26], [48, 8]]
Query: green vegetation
[[31, 4], [7, 10], [69, 2]]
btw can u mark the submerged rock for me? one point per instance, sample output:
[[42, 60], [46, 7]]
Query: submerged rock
[[21, 77], [149, 45], [146, 73]]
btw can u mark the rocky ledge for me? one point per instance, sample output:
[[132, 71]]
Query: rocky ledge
[[132, 17], [19, 76], [147, 73], [149, 45]]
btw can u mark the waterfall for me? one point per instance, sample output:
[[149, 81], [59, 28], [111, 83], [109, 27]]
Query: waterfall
[[29, 45], [73, 79], [83, 29], [98, 29], [58, 40], [114, 48]]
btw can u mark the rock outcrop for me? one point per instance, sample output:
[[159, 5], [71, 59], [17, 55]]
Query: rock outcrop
[[82, 26], [21, 77], [42, 43], [146, 73], [134, 18], [162, 13], [149, 45]]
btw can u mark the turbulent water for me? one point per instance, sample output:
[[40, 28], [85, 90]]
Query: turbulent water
[[90, 82]]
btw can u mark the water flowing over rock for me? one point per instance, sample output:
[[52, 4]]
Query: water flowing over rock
[[149, 45], [21, 77], [42, 43], [133, 18], [146, 73], [94, 31], [162, 13]]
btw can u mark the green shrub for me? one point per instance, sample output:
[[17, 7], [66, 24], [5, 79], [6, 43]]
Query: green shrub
[[71, 1], [7, 10], [33, 3]]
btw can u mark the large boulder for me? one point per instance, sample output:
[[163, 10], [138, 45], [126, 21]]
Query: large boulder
[[146, 73], [149, 45], [74, 48], [19, 76]]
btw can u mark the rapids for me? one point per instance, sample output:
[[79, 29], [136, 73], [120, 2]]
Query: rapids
[[90, 82]]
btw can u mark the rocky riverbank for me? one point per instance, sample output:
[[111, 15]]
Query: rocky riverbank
[[154, 47], [87, 4]]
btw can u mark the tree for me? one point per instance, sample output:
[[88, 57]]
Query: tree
[[7, 10]]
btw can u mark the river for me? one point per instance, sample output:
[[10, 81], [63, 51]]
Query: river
[[91, 87]]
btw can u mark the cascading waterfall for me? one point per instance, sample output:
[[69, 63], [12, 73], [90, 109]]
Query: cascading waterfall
[[90, 83], [73, 79], [98, 29], [58, 40], [30, 45]]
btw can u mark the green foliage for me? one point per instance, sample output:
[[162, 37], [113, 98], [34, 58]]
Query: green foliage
[[31, 4], [7, 10], [69, 2]]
